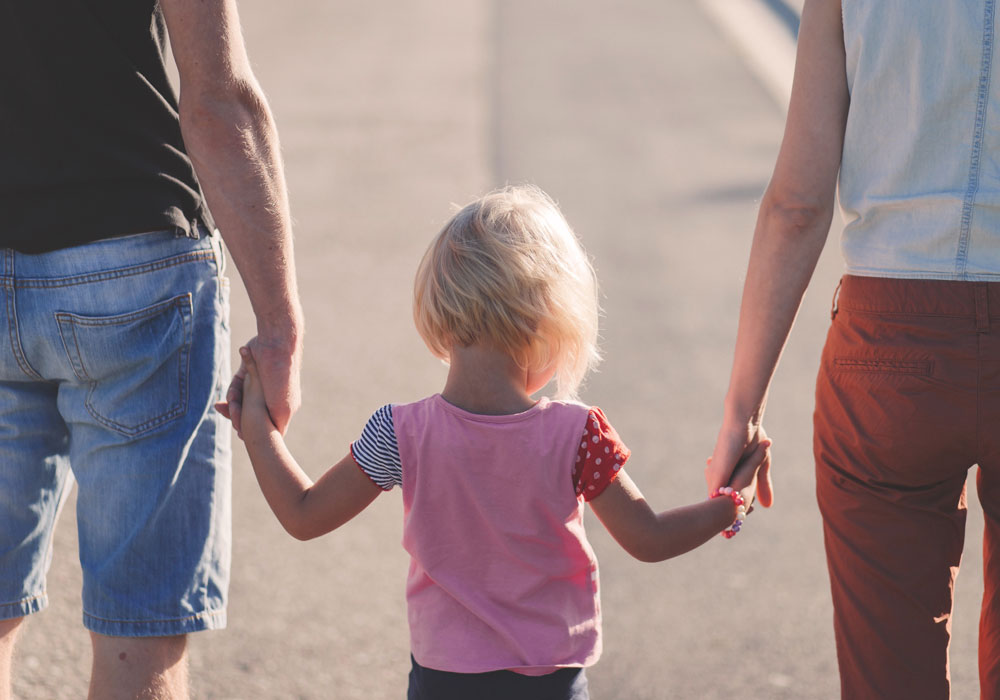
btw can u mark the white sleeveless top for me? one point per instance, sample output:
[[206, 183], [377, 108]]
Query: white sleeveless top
[[920, 175]]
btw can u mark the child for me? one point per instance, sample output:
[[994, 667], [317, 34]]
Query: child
[[502, 591]]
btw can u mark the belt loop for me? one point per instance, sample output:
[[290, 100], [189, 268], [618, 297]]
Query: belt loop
[[9, 266], [982, 309], [836, 297], [190, 231], [219, 251]]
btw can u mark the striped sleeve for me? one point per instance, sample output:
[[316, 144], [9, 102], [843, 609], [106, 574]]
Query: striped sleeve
[[377, 452]]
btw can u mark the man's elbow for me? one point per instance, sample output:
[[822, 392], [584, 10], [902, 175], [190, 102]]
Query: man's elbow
[[234, 107]]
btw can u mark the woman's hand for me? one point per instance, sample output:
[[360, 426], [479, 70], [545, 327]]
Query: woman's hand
[[752, 476], [736, 450]]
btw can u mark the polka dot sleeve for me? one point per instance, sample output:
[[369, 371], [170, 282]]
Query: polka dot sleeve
[[600, 458]]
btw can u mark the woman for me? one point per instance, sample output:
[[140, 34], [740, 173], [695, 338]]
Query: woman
[[896, 97]]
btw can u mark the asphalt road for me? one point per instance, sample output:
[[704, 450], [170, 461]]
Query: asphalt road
[[657, 140]]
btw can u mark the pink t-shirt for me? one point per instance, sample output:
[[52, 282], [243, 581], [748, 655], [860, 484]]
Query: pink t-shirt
[[501, 573]]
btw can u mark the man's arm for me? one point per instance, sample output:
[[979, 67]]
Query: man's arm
[[230, 136]]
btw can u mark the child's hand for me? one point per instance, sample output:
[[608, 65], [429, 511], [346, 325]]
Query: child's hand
[[749, 468], [232, 407], [255, 418]]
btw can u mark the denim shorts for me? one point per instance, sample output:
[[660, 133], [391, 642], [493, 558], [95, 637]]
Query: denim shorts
[[111, 358]]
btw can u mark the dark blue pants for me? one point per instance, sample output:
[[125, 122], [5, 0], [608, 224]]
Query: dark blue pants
[[430, 684]]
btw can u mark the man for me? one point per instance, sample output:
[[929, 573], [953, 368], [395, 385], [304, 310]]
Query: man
[[115, 348]]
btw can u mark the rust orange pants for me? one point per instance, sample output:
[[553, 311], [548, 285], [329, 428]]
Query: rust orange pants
[[907, 400]]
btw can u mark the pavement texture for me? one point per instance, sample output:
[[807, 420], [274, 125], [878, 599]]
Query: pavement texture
[[657, 142]]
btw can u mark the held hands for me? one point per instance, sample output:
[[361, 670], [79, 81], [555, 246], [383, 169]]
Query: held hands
[[751, 467], [252, 405], [278, 373], [743, 486], [737, 450]]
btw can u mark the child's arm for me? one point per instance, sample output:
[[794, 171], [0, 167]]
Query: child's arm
[[304, 509], [650, 536]]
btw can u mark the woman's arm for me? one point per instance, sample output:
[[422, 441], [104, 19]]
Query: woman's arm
[[305, 509], [792, 227]]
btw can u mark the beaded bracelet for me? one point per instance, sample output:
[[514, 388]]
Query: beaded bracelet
[[741, 510]]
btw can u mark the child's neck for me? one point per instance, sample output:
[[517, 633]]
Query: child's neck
[[486, 381]]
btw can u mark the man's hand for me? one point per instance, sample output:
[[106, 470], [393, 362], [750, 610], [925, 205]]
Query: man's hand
[[278, 370], [256, 418]]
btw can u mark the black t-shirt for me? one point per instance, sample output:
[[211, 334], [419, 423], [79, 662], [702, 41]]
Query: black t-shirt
[[90, 142]]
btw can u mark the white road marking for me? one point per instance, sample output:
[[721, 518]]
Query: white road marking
[[762, 38]]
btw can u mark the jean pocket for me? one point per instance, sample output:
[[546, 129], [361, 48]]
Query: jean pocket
[[136, 363], [883, 365]]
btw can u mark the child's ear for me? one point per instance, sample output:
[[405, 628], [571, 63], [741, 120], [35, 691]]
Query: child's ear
[[445, 357], [447, 344]]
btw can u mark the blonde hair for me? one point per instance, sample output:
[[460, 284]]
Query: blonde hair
[[508, 270]]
